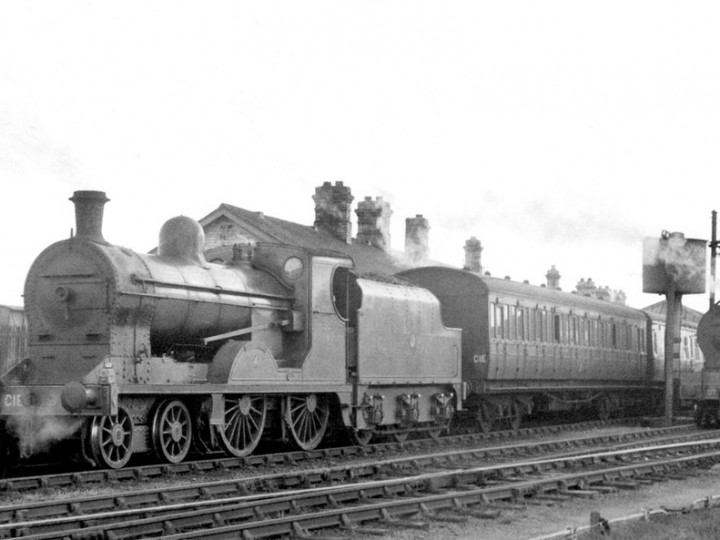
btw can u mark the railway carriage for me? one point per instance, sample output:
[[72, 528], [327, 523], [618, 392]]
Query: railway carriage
[[687, 371], [13, 336], [532, 349]]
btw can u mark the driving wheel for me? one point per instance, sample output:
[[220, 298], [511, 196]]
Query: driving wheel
[[244, 424], [172, 431], [111, 439], [306, 416]]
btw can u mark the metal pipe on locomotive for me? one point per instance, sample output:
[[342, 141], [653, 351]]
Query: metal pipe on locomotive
[[166, 352]]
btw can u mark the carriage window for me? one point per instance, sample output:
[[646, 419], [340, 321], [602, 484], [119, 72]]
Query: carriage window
[[532, 336], [574, 338], [512, 322], [613, 333], [655, 341], [528, 320], [556, 327], [500, 321], [567, 330], [539, 325]]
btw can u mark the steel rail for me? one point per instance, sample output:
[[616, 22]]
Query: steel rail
[[260, 505], [144, 472], [403, 513], [314, 477], [325, 475]]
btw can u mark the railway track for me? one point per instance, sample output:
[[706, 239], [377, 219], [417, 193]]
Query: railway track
[[269, 495], [15, 482]]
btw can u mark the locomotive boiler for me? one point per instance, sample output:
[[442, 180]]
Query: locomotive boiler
[[166, 353]]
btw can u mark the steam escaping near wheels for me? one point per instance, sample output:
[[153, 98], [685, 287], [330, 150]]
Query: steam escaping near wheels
[[35, 433]]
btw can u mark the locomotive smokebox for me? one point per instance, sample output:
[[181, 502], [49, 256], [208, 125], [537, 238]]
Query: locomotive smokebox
[[673, 262], [89, 206]]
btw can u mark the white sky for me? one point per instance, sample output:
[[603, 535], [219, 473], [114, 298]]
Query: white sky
[[557, 132]]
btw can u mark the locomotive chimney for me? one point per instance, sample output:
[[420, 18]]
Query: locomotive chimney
[[89, 207]]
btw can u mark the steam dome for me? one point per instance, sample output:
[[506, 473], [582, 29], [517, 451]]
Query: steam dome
[[182, 238]]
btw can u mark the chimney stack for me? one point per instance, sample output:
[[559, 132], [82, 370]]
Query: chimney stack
[[89, 206], [473, 249], [553, 279], [374, 223], [332, 210], [586, 288], [416, 239]]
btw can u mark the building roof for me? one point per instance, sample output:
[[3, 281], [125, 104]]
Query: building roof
[[658, 312], [367, 258]]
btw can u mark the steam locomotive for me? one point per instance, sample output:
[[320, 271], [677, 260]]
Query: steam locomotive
[[707, 405], [164, 353]]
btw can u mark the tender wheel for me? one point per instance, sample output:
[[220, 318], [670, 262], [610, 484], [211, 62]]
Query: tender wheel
[[699, 416], [172, 431], [603, 409], [307, 419], [435, 434], [483, 418], [400, 436], [515, 416], [111, 439], [244, 424], [362, 437]]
